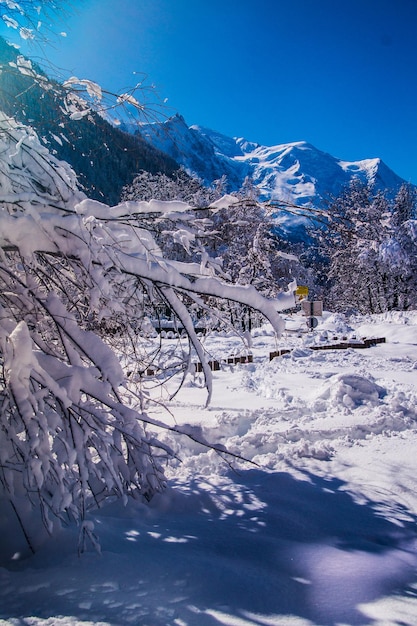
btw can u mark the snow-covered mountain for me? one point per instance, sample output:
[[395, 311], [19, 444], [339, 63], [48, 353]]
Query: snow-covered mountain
[[296, 172]]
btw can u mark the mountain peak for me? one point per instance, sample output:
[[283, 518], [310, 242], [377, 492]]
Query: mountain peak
[[296, 171], [177, 118]]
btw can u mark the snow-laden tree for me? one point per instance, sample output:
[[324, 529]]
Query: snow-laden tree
[[38, 23], [400, 249], [104, 158], [31, 19], [251, 251], [370, 241], [238, 233], [79, 282], [179, 186], [405, 205], [74, 425], [192, 228]]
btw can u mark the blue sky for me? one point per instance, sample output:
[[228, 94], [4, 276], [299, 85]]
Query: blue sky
[[341, 74]]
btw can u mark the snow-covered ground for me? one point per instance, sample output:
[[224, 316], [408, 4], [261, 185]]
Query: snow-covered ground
[[319, 530]]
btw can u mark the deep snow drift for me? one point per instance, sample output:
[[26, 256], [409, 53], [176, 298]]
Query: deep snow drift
[[322, 530]]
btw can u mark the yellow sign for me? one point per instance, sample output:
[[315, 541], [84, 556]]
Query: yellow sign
[[301, 292]]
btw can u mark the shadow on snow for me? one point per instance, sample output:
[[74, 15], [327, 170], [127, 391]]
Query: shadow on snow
[[247, 549]]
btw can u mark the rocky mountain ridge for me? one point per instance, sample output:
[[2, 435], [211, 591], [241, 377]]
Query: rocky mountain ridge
[[296, 172]]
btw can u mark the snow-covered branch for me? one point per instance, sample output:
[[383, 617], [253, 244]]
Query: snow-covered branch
[[74, 427]]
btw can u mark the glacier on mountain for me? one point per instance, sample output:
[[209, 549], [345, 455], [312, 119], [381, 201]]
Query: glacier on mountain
[[294, 172]]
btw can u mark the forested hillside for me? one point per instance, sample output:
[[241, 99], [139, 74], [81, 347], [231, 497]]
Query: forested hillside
[[104, 158]]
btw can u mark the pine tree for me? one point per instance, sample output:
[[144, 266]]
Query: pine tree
[[371, 246]]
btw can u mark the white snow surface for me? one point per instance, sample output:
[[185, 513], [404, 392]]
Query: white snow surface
[[321, 531]]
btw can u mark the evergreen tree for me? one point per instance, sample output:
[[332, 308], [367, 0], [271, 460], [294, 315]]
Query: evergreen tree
[[371, 246]]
